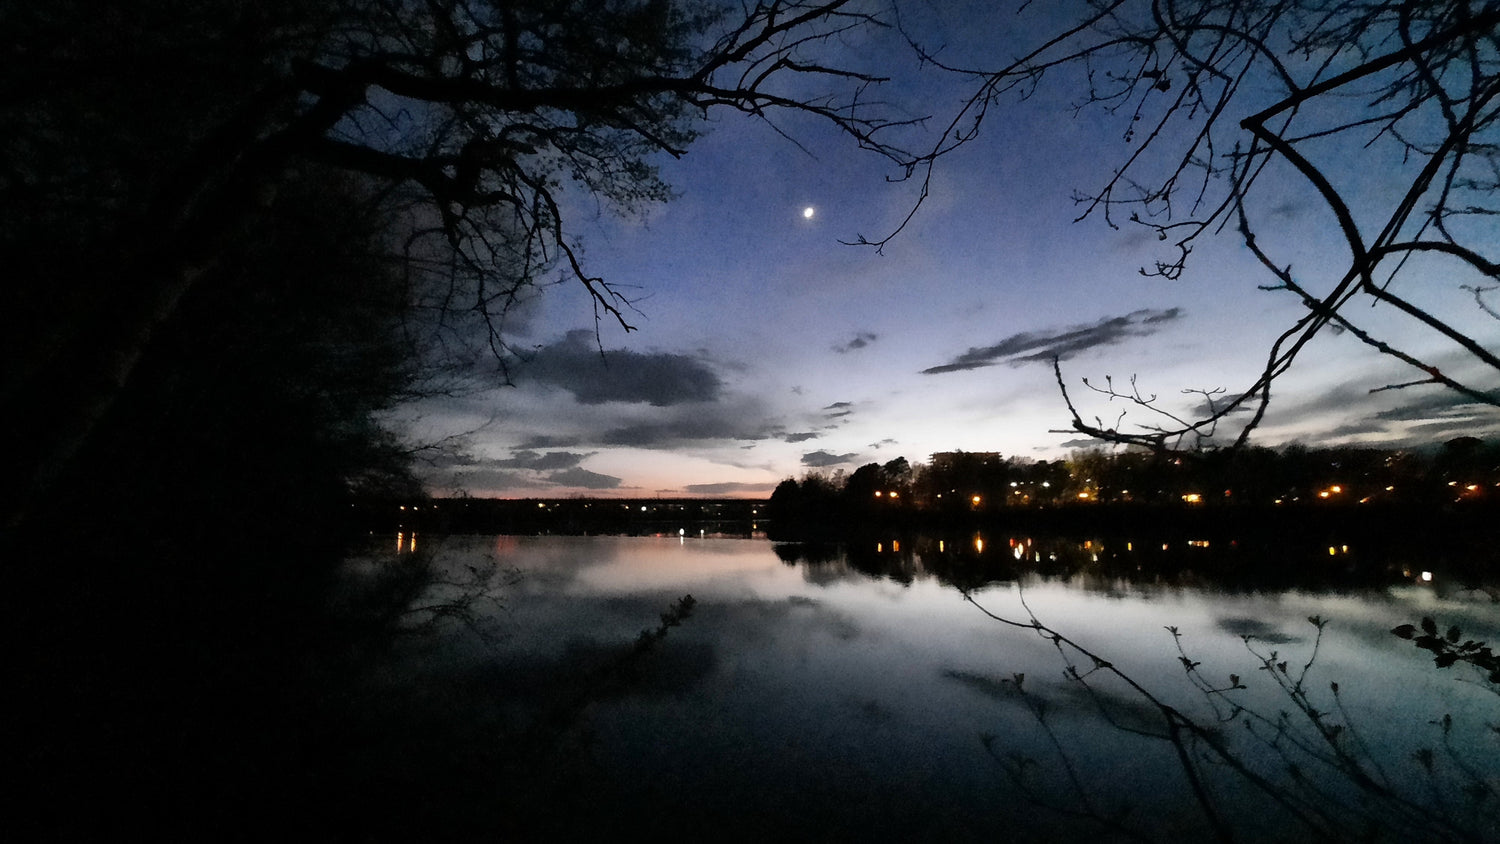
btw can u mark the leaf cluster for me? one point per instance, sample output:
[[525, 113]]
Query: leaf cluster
[[1447, 650]]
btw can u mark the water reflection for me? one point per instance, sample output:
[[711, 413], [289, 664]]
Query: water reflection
[[842, 691], [974, 561]]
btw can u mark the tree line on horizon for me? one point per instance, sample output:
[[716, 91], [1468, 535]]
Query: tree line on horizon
[[1465, 469]]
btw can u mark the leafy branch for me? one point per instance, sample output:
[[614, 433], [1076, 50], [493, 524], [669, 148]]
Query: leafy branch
[[1310, 760], [1448, 651]]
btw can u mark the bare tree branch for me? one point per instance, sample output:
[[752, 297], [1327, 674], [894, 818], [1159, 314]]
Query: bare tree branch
[[1424, 77]]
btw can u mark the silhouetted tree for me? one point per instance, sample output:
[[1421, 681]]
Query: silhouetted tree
[[955, 479], [863, 483], [143, 141], [258, 408], [786, 501], [180, 580], [898, 473]]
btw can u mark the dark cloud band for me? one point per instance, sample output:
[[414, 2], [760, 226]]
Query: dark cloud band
[[822, 459], [577, 365], [1061, 344]]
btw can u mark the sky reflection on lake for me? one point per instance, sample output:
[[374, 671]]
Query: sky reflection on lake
[[812, 699]]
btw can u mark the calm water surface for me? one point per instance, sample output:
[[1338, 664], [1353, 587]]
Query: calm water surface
[[812, 699]]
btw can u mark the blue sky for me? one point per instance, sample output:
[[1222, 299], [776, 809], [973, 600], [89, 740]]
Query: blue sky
[[765, 348]]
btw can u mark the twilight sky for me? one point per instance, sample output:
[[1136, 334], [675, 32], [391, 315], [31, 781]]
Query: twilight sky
[[765, 348]]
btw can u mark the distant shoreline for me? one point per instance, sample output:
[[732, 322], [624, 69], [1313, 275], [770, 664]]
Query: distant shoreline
[[1398, 522]]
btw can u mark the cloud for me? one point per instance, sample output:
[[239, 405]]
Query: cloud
[[1441, 430], [657, 378], [861, 340], [1334, 398], [1445, 403], [803, 436], [1289, 210], [716, 423], [662, 434], [537, 441], [732, 420], [1206, 406], [1063, 343], [821, 459], [522, 468], [743, 420], [535, 461], [1420, 419], [727, 488], [479, 478], [583, 478], [1086, 442], [1355, 429], [838, 410]]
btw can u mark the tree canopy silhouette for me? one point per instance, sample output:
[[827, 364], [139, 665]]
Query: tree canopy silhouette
[[144, 141], [229, 228]]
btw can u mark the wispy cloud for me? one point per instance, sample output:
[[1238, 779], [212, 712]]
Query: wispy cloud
[[1207, 407], [838, 410], [714, 423], [1062, 343], [1342, 413], [861, 340], [522, 468], [584, 479], [1439, 403], [821, 459], [537, 441], [537, 461], [1082, 443]]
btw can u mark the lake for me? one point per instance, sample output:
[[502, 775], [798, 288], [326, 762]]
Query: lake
[[931, 689]]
